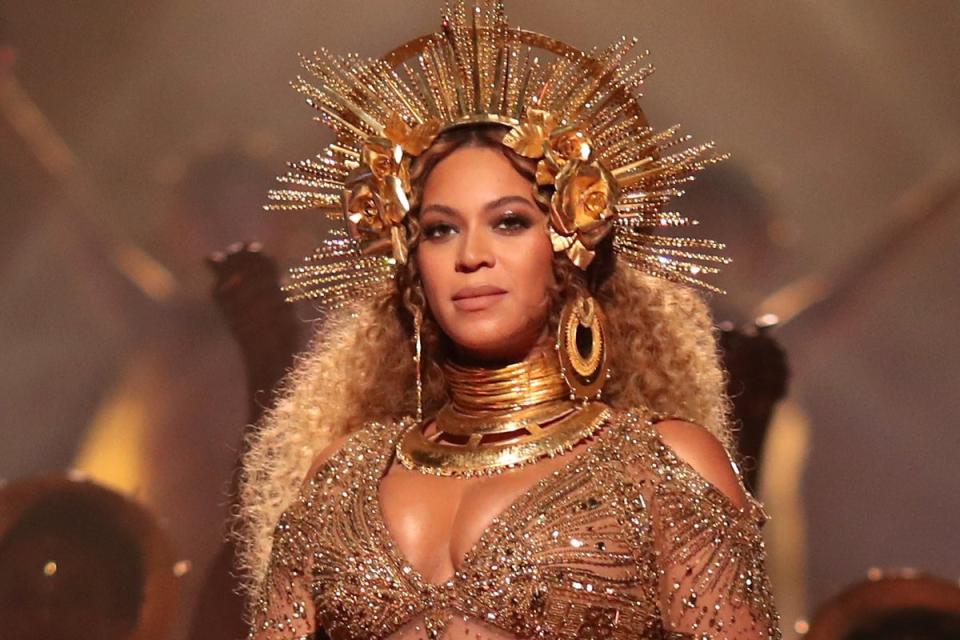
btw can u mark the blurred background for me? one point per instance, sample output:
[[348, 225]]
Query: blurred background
[[138, 137]]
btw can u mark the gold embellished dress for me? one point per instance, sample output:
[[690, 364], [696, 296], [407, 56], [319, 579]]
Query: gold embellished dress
[[625, 540]]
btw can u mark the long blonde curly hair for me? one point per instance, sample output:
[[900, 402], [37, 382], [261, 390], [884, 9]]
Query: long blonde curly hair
[[360, 366]]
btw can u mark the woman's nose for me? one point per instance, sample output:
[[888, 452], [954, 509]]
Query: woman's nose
[[474, 252]]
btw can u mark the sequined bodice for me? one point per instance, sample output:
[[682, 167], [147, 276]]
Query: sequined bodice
[[624, 541]]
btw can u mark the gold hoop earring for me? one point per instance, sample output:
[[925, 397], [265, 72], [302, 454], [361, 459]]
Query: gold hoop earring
[[582, 347], [417, 361]]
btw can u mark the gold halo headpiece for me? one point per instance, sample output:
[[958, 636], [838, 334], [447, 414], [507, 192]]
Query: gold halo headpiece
[[602, 169]]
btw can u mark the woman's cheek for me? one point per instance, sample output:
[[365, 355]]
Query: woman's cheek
[[430, 268]]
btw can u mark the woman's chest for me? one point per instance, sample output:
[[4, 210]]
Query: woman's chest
[[547, 549], [436, 521]]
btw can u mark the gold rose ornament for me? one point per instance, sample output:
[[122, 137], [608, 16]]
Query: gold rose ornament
[[583, 191]]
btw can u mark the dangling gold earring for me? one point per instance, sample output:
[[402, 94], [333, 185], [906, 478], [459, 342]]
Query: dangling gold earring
[[582, 347], [417, 353]]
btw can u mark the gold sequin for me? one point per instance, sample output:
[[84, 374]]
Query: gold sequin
[[625, 541]]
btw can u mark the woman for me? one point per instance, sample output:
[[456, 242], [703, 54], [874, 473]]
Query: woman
[[485, 441]]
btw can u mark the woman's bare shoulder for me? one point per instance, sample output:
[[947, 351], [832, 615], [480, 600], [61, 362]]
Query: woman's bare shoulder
[[328, 452], [373, 436], [700, 449]]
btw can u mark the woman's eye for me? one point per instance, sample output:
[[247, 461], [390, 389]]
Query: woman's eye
[[513, 222], [437, 231]]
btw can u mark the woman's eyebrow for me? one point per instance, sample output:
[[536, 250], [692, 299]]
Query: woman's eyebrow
[[439, 208], [493, 204], [499, 202]]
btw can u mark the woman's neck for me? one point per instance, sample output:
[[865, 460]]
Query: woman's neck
[[486, 389], [503, 356], [499, 418]]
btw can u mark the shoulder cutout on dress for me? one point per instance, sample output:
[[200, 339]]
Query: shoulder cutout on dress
[[700, 449]]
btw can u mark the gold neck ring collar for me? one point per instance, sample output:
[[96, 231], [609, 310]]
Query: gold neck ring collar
[[501, 418]]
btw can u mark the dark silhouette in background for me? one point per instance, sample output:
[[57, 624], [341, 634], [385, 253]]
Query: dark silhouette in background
[[893, 607], [81, 562]]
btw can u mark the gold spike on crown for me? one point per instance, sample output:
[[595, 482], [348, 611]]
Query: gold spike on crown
[[601, 168]]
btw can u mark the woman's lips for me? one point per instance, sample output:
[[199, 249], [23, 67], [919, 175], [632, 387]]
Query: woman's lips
[[477, 298]]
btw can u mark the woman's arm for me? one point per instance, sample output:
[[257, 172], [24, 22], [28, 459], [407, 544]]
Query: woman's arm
[[710, 555], [285, 609]]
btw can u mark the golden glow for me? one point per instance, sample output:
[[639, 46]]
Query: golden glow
[[50, 568], [784, 459], [794, 298], [112, 450], [153, 279]]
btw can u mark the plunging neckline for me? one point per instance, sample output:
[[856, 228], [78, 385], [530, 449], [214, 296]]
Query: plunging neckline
[[397, 554]]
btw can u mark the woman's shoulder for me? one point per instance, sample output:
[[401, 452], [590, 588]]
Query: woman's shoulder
[[696, 447], [347, 451], [680, 455]]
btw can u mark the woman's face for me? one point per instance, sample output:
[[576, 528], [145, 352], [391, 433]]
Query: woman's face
[[485, 257]]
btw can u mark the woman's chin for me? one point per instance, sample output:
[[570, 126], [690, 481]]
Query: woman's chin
[[492, 344]]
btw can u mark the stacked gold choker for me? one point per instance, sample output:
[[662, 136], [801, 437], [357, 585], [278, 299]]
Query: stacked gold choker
[[498, 419]]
